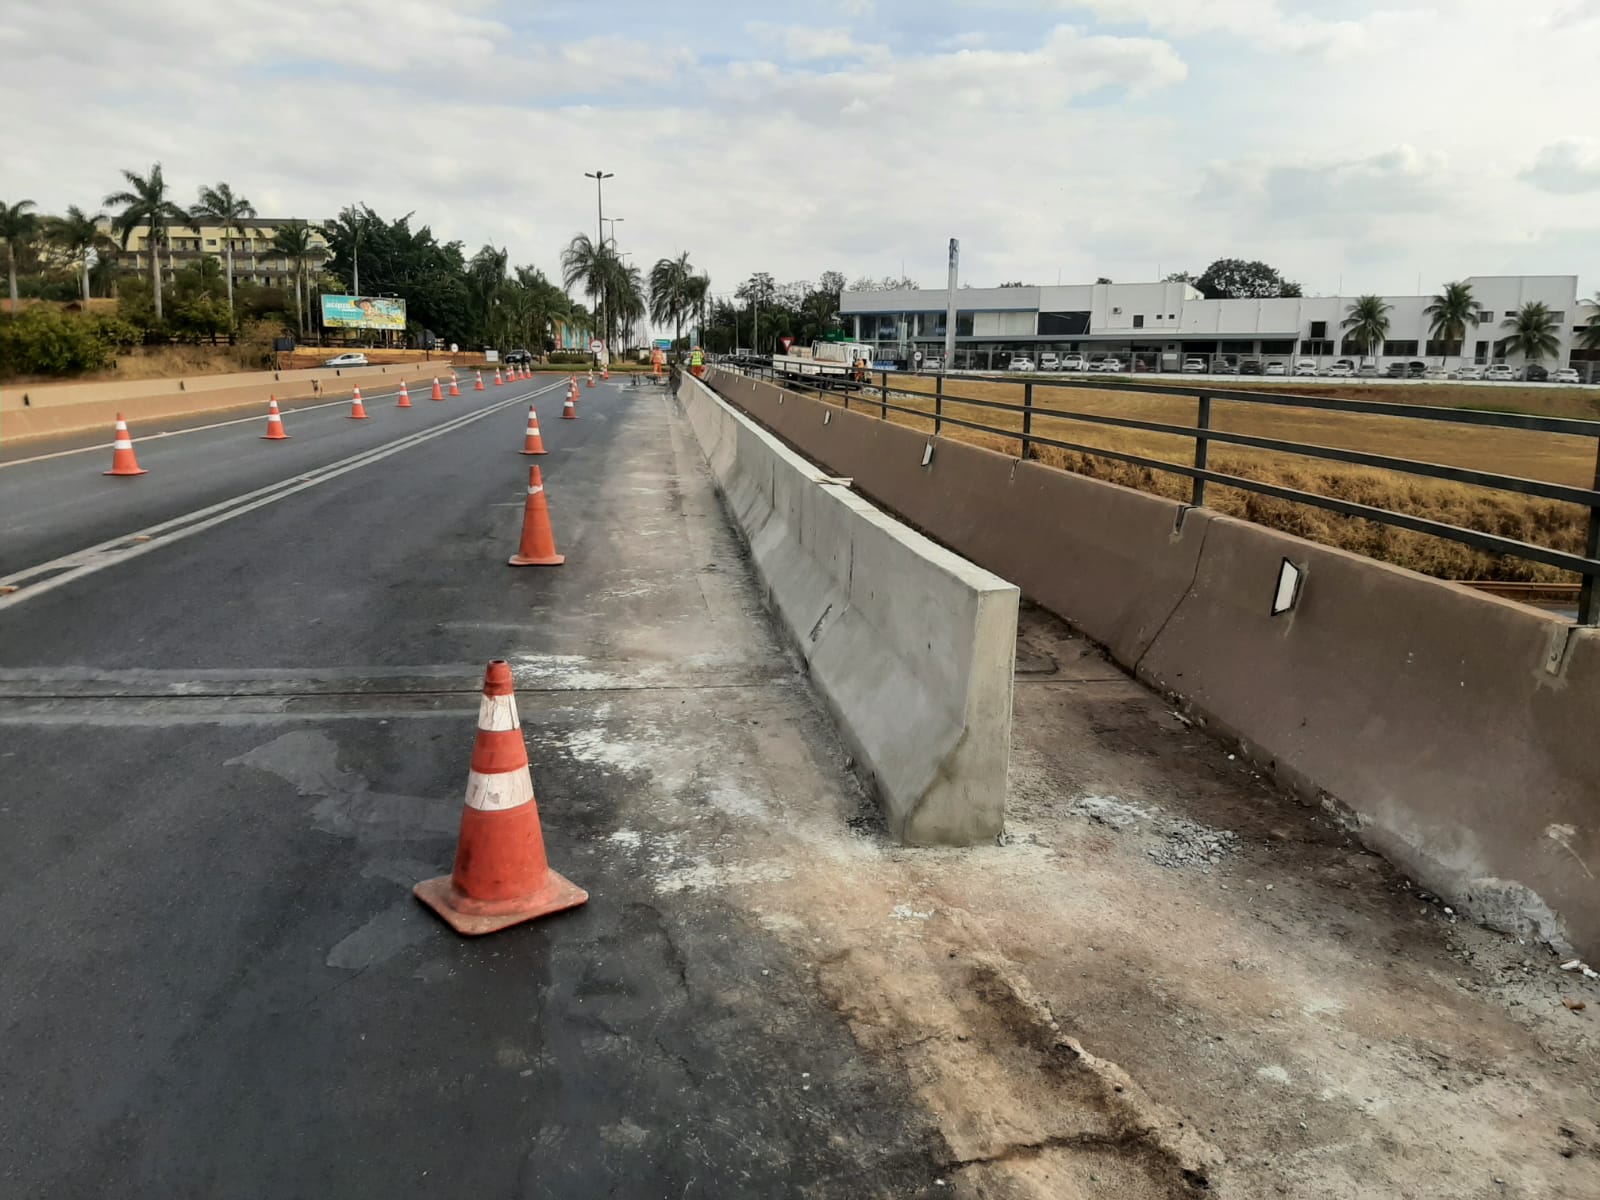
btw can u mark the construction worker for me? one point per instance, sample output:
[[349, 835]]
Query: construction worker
[[697, 363], [657, 360]]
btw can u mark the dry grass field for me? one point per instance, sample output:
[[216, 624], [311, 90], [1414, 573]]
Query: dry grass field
[[1552, 458]]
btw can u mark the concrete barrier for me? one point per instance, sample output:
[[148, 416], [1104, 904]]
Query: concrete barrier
[[911, 647], [1459, 734]]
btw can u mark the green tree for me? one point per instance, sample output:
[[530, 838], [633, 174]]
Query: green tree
[[696, 292], [78, 235], [146, 203], [17, 226], [1589, 339], [292, 239], [603, 276], [1451, 311], [669, 292], [220, 206], [1533, 330], [486, 287], [1241, 279], [1368, 323]]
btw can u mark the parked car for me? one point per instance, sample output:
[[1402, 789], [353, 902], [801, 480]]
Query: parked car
[[1277, 368], [1020, 362], [1224, 366], [1566, 375], [1106, 364], [1534, 373], [1368, 369], [1416, 369], [933, 362], [1500, 373], [1342, 369], [346, 360], [1194, 366], [1435, 372], [1250, 366], [515, 357], [1467, 371], [1073, 362], [1395, 370], [1305, 366], [1049, 362]]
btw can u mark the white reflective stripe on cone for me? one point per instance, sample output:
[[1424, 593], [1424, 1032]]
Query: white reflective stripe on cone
[[122, 444], [494, 793], [496, 714], [534, 491]]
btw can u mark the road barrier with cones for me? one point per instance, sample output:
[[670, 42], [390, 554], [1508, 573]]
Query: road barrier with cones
[[405, 396], [478, 387], [438, 393], [275, 431], [538, 547], [501, 876], [454, 390], [357, 411], [123, 460], [533, 443]]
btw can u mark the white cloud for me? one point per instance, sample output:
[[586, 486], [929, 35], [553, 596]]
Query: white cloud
[[1263, 23], [1567, 167], [811, 43]]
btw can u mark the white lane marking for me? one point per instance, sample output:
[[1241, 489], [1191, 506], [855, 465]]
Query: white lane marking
[[166, 433], [118, 549]]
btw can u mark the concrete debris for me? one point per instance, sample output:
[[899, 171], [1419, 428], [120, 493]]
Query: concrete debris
[[1189, 844], [1109, 811], [1577, 964]]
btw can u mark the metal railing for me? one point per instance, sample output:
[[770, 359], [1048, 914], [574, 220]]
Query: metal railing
[[873, 391]]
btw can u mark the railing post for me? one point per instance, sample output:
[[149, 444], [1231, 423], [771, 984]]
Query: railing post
[[1589, 593], [1201, 445], [1027, 419], [883, 400], [938, 403]]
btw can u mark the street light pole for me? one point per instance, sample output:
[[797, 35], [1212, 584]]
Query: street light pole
[[599, 178]]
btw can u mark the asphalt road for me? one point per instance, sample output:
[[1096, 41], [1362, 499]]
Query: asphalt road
[[228, 752]]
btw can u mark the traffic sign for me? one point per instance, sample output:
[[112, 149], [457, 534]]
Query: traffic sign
[[596, 345]]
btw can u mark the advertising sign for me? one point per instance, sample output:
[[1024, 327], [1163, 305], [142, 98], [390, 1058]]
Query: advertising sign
[[363, 312], [664, 343]]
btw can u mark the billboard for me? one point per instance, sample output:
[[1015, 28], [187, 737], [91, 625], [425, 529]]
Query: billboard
[[363, 312]]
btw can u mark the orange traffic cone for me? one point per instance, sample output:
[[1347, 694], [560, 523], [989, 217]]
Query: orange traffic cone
[[533, 443], [479, 386], [497, 380], [274, 431], [357, 412], [438, 393], [569, 410], [501, 875], [454, 390], [405, 397], [605, 374], [123, 461], [538, 548], [591, 378]]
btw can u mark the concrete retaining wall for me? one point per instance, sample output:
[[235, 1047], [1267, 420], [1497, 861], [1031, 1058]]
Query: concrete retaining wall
[[40, 410], [1461, 733], [911, 646]]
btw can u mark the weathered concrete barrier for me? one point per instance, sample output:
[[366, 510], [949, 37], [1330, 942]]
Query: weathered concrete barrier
[[911, 646], [1459, 733]]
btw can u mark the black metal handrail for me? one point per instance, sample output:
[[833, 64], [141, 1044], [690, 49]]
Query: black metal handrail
[[877, 391]]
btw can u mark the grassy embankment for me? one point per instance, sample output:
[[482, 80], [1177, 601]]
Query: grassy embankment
[[1552, 458]]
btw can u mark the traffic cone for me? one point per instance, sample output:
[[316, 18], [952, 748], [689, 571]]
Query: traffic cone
[[591, 378], [605, 374], [501, 876], [405, 397], [437, 393], [274, 431], [538, 548], [497, 380], [569, 410], [533, 443], [454, 390], [357, 412], [479, 386], [123, 461]]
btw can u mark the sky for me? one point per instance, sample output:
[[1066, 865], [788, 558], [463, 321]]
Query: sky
[[1370, 145]]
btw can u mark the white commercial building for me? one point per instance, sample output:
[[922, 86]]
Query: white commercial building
[[1158, 326]]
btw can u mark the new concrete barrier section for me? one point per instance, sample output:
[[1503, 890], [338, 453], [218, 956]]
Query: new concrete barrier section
[[911, 646], [1459, 733]]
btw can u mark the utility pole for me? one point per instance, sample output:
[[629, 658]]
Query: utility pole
[[950, 308], [599, 178]]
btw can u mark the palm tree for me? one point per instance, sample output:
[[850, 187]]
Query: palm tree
[[1589, 339], [146, 203], [77, 234], [292, 239], [1368, 322], [1452, 311], [602, 275], [1533, 332], [16, 225], [220, 206], [669, 292]]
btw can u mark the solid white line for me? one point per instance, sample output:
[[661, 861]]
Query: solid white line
[[166, 433], [120, 549]]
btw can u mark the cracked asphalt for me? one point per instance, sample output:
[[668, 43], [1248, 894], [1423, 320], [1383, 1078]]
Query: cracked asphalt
[[227, 759]]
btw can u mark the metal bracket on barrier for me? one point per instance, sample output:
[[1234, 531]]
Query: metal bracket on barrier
[[827, 416], [841, 480], [927, 454]]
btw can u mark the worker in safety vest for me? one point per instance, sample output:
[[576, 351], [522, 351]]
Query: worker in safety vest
[[657, 360], [861, 369], [697, 363]]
